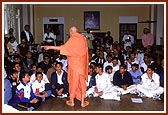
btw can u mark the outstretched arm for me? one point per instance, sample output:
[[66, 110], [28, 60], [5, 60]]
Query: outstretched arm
[[51, 47]]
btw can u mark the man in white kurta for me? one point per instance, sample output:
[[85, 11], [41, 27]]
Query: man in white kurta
[[150, 85], [104, 88]]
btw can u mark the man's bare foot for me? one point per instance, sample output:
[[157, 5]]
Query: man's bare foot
[[86, 103], [70, 103]]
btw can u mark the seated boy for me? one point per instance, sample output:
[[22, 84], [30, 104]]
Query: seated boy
[[122, 80], [135, 73], [59, 82], [150, 86], [109, 71], [25, 93], [39, 87], [103, 88]]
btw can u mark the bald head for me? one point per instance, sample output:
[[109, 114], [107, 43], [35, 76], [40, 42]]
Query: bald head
[[73, 30]]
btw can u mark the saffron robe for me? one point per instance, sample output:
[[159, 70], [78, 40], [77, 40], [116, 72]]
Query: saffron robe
[[76, 50]]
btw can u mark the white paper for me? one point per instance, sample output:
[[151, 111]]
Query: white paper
[[136, 100]]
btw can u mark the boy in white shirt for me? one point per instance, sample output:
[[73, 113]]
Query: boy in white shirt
[[108, 62], [39, 87], [109, 71], [33, 76], [115, 64], [104, 87]]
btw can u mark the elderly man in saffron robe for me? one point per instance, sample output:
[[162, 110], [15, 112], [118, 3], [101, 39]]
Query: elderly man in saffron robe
[[76, 50]]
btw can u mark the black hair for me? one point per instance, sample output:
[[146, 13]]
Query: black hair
[[37, 73], [16, 56], [90, 66], [99, 65], [46, 55], [151, 67], [135, 65], [33, 64], [60, 63], [14, 63], [115, 58], [124, 66], [27, 26], [22, 75], [38, 66], [94, 63], [108, 67], [147, 55], [109, 55], [11, 72]]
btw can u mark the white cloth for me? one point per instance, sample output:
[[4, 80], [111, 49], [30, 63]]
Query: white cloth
[[33, 78], [111, 76], [40, 57], [103, 84], [14, 45], [115, 68], [140, 57], [106, 64], [9, 109], [128, 43], [64, 63], [129, 65], [87, 82], [27, 35], [50, 35], [26, 89], [38, 85], [150, 87], [128, 90], [59, 77], [145, 66]]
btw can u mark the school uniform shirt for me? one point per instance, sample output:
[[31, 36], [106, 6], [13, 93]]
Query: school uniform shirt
[[38, 86], [59, 77], [33, 78], [58, 80], [24, 92]]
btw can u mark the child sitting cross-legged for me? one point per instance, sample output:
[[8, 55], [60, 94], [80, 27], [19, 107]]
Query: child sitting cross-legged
[[25, 93], [39, 87]]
